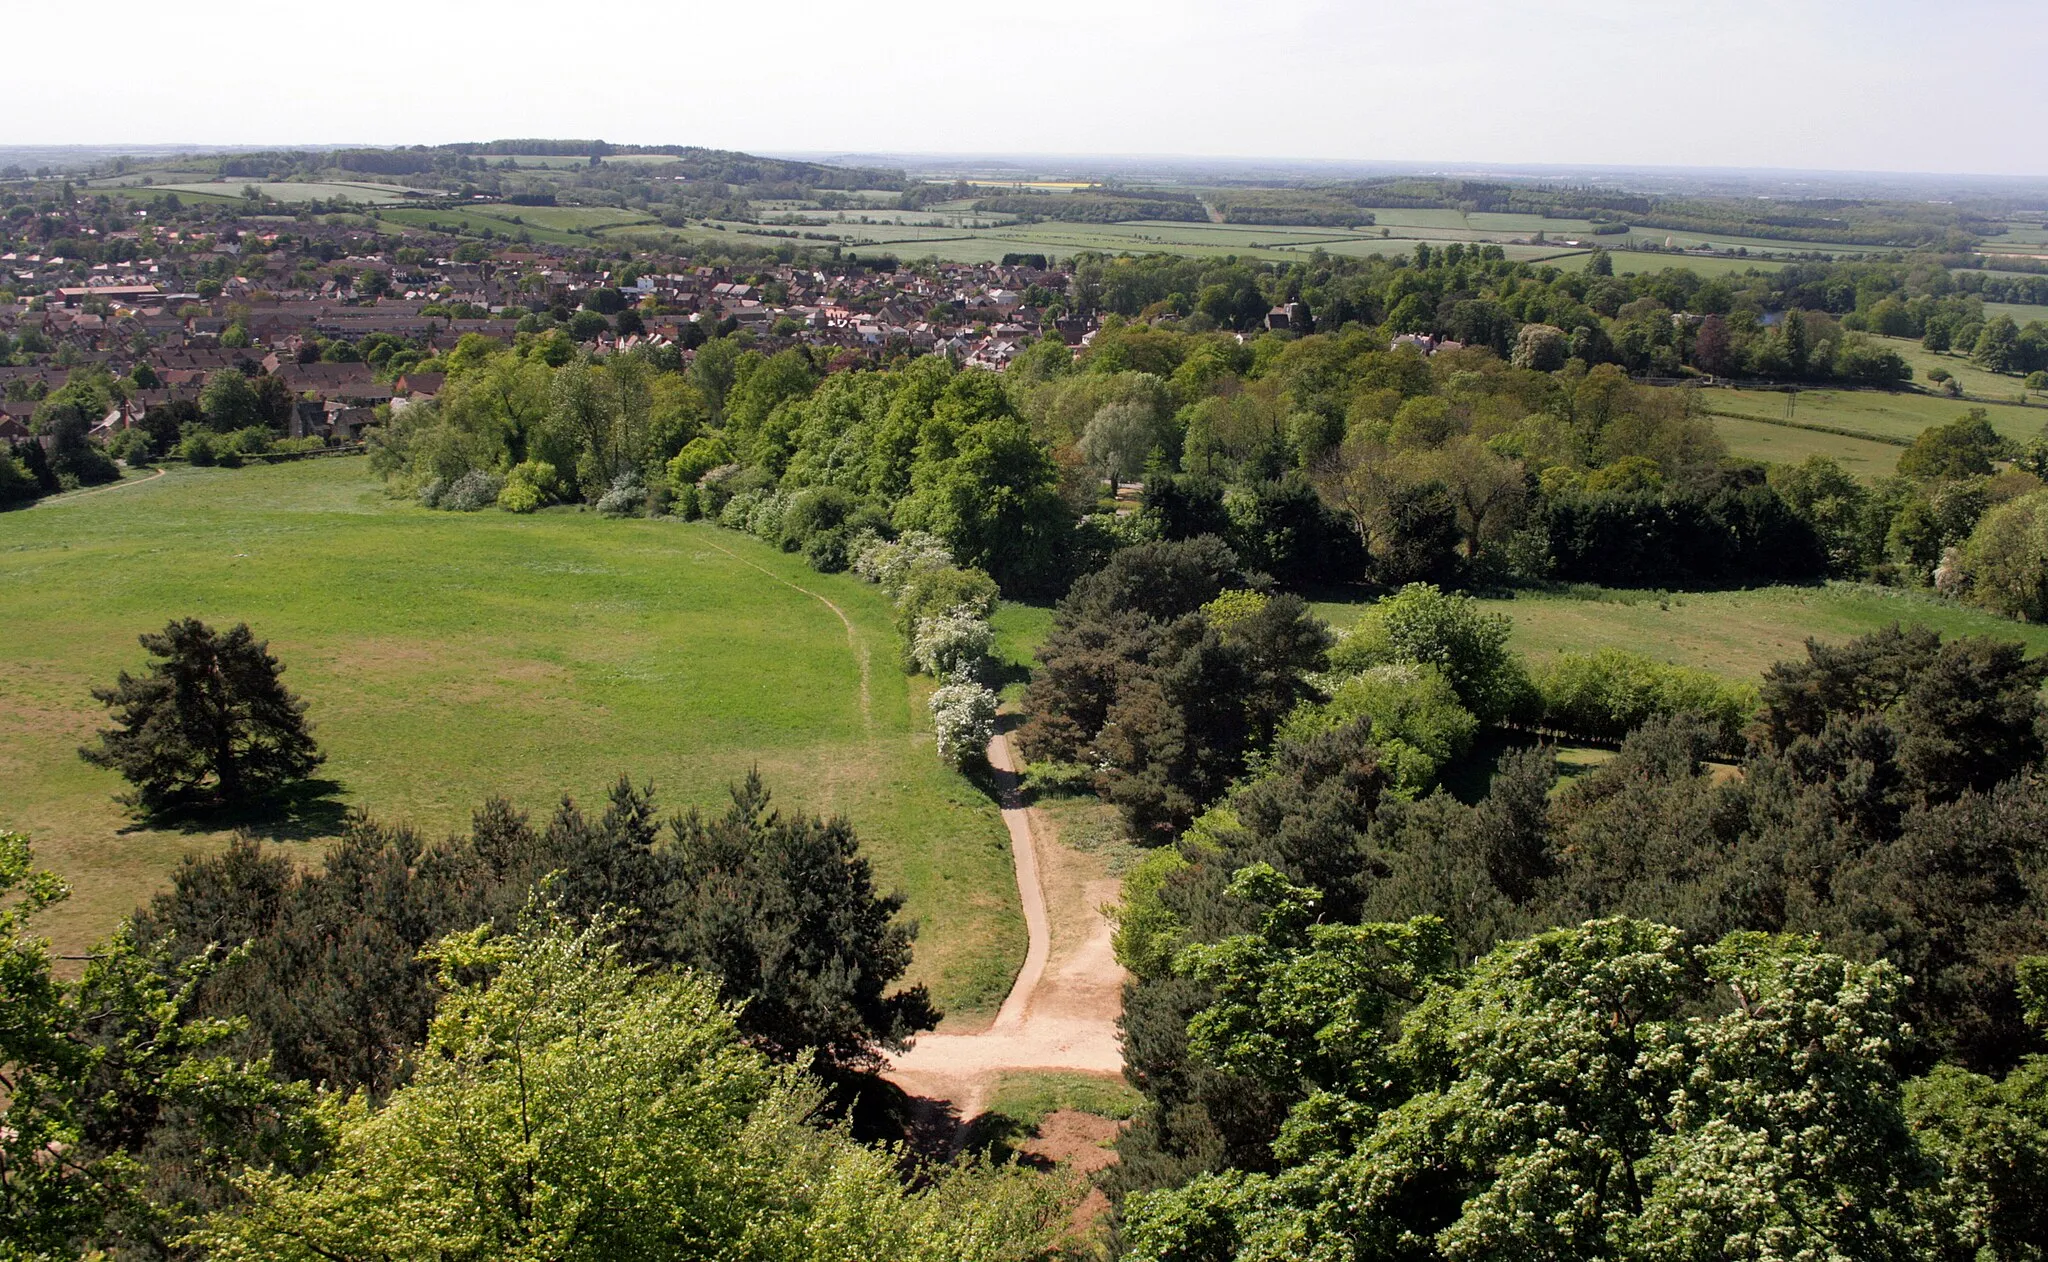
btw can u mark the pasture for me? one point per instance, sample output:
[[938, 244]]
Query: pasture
[[1974, 380], [296, 191], [447, 658], [1899, 415], [1736, 634], [1782, 443]]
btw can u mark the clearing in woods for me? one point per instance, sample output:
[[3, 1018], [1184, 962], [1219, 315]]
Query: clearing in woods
[[448, 657]]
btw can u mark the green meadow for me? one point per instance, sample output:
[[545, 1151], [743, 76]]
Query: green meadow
[[450, 657], [1736, 634]]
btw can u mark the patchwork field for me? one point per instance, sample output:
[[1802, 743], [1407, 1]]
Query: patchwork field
[[448, 657]]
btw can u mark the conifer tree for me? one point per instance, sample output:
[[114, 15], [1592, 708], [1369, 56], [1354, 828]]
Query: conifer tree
[[210, 724]]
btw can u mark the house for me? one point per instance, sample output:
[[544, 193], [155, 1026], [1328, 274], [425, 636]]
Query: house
[[419, 385], [1283, 316]]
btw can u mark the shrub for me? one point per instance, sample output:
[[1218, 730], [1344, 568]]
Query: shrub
[[1422, 624], [698, 457], [814, 510], [472, 492], [890, 563], [1608, 694], [826, 550], [253, 440], [764, 521], [937, 589], [198, 449], [954, 646], [1417, 721], [736, 511], [530, 485], [625, 496], [964, 721]]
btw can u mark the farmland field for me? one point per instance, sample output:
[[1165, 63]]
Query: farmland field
[[476, 220], [1975, 380], [449, 657], [375, 194], [1736, 634], [1789, 444], [2021, 312], [1899, 415]]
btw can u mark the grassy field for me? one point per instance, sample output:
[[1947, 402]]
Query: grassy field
[[1790, 444], [475, 220], [1899, 415], [1736, 634], [374, 194], [1975, 380], [2022, 313], [449, 657]]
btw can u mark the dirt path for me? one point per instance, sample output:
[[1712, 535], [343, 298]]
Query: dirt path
[[853, 640], [122, 485], [1062, 1010]]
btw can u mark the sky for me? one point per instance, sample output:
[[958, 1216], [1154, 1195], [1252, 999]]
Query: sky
[[1869, 85]]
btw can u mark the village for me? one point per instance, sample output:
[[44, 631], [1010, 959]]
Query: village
[[297, 303]]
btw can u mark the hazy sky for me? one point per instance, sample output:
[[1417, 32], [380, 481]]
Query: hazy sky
[[1915, 85]]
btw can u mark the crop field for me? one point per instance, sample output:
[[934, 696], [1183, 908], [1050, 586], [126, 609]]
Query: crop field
[[565, 218], [1736, 634], [450, 657]]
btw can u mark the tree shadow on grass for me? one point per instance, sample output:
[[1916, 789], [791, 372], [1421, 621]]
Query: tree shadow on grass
[[305, 811]]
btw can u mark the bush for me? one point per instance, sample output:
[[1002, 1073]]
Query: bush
[[890, 563], [813, 510], [932, 590], [1608, 694], [531, 484], [197, 448], [826, 550], [1417, 721], [954, 647], [698, 457], [1422, 624], [252, 440], [625, 497], [472, 492], [964, 721]]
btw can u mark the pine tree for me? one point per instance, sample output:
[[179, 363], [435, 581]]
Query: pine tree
[[210, 724]]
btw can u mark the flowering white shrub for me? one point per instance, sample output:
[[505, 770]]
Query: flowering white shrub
[[963, 718], [878, 560], [953, 647]]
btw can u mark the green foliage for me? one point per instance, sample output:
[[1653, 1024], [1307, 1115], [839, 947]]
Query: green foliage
[[780, 910], [568, 1106], [1607, 694], [1562, 1102], [1965, 447], [2005, 561], [211, 723], [1422, 624], [1417, 720], [121, 1112]]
